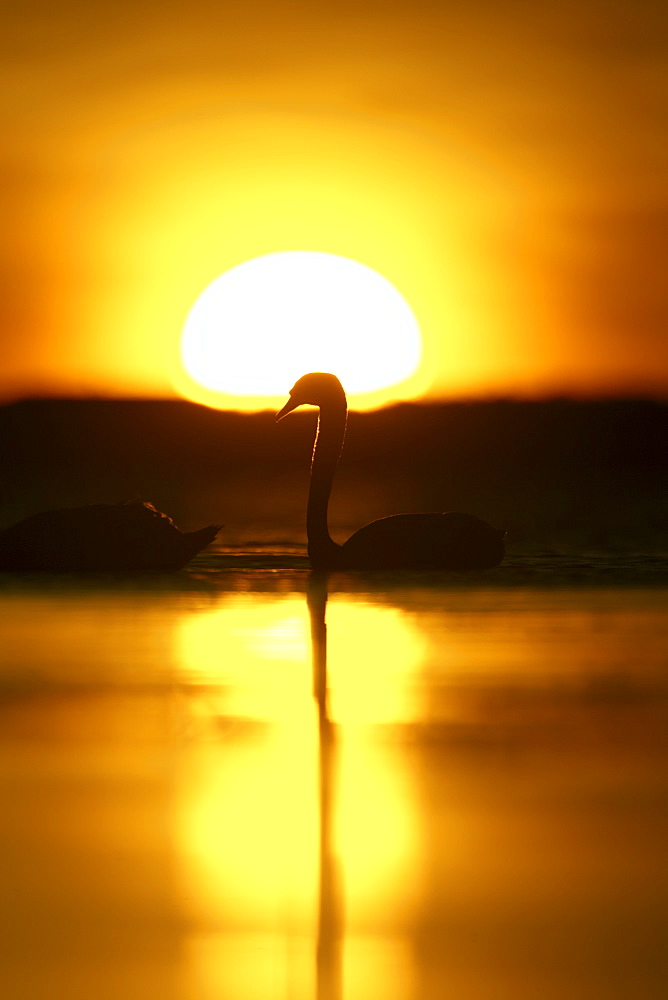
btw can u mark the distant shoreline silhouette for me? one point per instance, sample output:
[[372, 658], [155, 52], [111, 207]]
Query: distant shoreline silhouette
[[562, 476]]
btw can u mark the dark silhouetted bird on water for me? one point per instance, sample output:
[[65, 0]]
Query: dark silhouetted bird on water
[[124, 537], [401, 541]]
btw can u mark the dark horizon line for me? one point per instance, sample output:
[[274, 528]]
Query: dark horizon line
[[487, 399]]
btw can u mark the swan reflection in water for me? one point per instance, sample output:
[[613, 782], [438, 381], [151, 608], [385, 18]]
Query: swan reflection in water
[[329, 946], [299, 803]]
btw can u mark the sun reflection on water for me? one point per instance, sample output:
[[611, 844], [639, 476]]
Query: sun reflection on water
[[478, 809], [256, 653], [253, 655], [248, 817]]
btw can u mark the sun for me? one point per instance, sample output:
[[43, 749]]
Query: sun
[[261, 325]]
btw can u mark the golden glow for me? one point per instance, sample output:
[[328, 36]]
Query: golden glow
[[246, 828], [248, 965], [247, 818], [255, 798], [280, 184], [380, 967], [141, 161], [263, 966], [137, 811], [257, 656], [375, 828], [260, 326], [374, 655], [252, 660]]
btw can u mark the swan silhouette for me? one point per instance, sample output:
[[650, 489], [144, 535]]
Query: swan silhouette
[[401, 541], [123, 537]]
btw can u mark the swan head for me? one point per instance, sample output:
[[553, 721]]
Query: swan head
[[314, 389]]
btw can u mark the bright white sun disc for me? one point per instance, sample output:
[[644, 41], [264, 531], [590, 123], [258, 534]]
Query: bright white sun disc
[[260, 326]]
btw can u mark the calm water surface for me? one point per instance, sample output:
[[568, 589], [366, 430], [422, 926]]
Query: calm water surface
[[457, 788]]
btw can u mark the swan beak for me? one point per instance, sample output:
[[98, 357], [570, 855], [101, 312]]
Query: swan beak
[[291, 405]]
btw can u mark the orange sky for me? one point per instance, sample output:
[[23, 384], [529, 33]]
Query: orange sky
[[503, 163]]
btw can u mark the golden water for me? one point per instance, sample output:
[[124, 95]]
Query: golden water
[[477, 808]]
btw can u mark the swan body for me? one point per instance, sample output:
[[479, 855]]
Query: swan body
[[402, 541], [125, 537]]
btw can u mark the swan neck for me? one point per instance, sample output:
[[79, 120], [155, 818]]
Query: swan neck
[[327, 448]]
